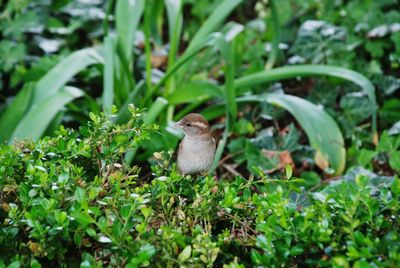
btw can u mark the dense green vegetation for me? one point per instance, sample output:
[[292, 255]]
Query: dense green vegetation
[[302, 95]]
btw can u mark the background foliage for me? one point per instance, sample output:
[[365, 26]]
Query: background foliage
[[298, 93]]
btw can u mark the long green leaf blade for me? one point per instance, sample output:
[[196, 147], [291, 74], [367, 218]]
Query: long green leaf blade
[[108, 76], [39, 116], [63, 72], [175, 20], [127, 17], [155, 109], [15, 112], [195, 91], [216, 18], [290, 72], [322, 131]]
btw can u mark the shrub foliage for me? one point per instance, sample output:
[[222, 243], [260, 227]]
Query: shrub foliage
[[69, 201]]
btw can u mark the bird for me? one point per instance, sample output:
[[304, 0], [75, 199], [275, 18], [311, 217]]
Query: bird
[[197, 148]]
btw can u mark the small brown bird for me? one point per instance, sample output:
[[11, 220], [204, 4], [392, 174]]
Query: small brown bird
[[197, 149]]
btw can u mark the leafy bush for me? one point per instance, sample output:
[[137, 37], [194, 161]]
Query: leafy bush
[[70, 201]]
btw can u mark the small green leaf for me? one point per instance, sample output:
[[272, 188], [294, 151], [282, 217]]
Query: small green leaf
[[82, 217], [362, 264], [91, 232], [78, 238], [396, 186], [126, 211], [80, 196], [146, 211], [185, 254], [289, 171], [394, 160]]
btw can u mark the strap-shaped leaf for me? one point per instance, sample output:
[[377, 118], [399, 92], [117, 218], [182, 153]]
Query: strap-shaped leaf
[[290, 72], [67, 68], [15, 111], [39, 116]]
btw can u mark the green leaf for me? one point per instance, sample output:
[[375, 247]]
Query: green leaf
[[229, 95], [390, 111], [126, 211], [362, 264], [288, 171], [317, 39], [340, 261], [143, 255], [175, 18], [146, 211], [214, 20], [91, 232], [290, 72], [322, 131], [276, 34], [396, 186], [39, 116], [356, 107], [311, 178], [80, 197], [154, 110], [195, 91], [108, 76], [59, 75], [385, 143], [127, 17], [364, 156], [185, 254], [15, 112], [83, 217], [394, 161]]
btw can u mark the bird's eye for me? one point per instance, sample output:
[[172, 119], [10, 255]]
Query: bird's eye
[[188, 124]]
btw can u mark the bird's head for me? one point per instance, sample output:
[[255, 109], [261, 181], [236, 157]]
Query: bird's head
[[193, 125]]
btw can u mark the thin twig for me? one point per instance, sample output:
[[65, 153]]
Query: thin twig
[[239, 221]]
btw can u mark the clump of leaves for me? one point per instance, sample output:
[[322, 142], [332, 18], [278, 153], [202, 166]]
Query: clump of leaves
[[71, 200], [71, 195]]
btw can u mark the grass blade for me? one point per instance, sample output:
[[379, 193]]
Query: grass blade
[[37, 119]]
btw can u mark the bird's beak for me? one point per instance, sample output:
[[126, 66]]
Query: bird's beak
[[179, 124]]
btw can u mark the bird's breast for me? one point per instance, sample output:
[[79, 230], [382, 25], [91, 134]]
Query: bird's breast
[[195, 155]]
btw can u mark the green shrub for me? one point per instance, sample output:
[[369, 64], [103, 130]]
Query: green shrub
[[69, 201]]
